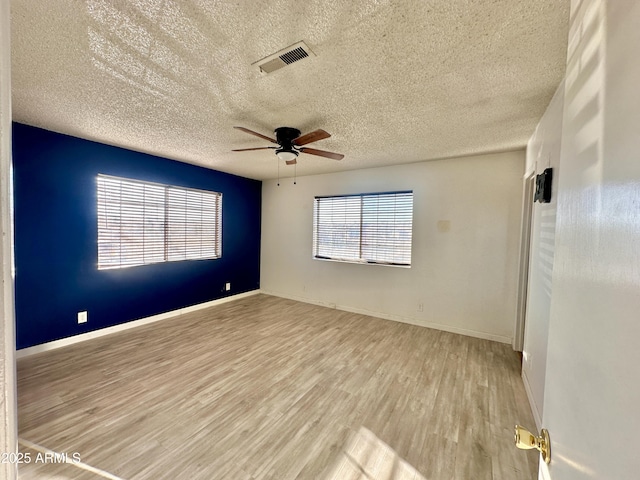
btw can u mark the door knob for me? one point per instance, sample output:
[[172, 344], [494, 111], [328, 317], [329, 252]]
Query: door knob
[[526, 440]]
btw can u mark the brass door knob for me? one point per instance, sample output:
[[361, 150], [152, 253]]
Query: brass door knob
[[526, 440]]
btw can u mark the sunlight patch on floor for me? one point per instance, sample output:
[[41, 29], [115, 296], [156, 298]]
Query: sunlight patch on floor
[[365, 456]]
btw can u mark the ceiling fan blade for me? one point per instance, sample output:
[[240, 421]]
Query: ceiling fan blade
[[291, 162], [251, 132], [311, 137], [247, 149], [322, 153]]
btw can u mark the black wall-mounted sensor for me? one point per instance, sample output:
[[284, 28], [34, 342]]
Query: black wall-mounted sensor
[[543, 186]]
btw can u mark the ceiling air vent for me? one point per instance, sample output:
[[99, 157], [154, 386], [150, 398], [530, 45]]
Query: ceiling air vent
[[287, 56]]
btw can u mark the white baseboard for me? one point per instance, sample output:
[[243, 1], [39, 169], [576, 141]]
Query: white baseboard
[[532, 404], [44, 347], [396, 318]]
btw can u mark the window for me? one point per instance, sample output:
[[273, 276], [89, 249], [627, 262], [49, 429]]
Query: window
[[142, 222], [364, 228]]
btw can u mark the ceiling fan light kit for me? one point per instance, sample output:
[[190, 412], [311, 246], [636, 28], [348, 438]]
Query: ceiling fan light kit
[[287, 155]]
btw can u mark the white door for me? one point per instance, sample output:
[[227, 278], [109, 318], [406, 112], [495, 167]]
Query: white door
[[592, 386]]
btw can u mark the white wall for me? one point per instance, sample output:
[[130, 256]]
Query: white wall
[[465, 245], [543, 151]]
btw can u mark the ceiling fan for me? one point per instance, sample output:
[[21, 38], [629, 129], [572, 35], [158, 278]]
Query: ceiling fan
[[290, 143]]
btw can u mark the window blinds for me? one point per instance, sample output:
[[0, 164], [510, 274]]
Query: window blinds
[[367, 228], [141, 223], [193, 224]]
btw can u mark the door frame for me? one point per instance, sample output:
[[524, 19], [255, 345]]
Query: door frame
[[528, 184], [8, 407]]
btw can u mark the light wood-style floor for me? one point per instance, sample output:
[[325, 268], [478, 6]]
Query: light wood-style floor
[[269, 388]]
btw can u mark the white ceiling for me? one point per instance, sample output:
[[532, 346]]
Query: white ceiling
[[393, 81]]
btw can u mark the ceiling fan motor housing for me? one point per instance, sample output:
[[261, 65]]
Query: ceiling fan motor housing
[[285, 137]]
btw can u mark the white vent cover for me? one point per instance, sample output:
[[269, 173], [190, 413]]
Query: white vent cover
[[287, 56]]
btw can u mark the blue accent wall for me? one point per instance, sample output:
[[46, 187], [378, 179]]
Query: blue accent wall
[[56, 238]]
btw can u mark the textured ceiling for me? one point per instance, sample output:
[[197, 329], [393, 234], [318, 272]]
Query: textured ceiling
[[393, 81]]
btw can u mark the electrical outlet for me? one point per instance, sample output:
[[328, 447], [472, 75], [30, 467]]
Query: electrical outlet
[[421, 307], [82, 317], [227, 287]]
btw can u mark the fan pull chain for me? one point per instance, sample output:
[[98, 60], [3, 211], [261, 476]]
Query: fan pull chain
[[295, 165], [278, 162]]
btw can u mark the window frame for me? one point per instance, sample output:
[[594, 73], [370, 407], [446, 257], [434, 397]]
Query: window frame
[[153, 217], [403, 247]]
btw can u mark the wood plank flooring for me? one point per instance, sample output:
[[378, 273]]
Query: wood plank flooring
[[269, 388]]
